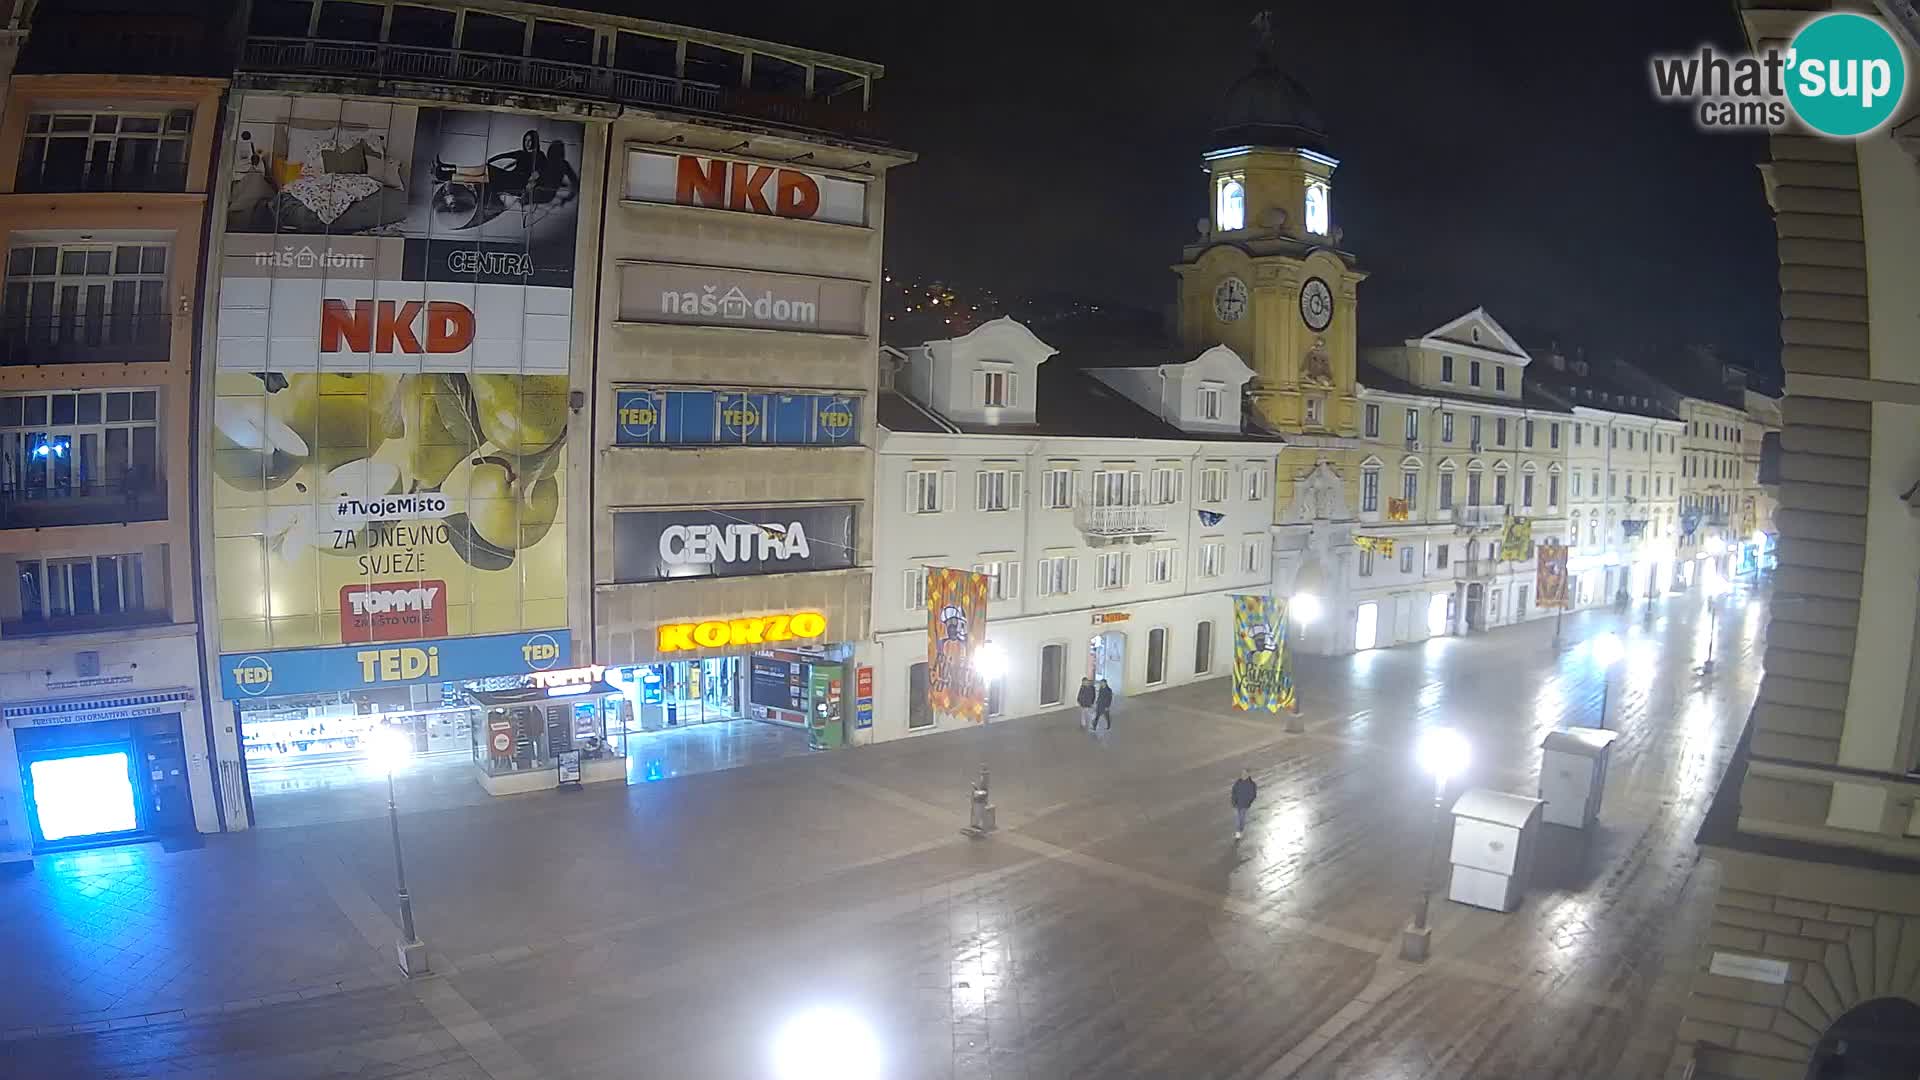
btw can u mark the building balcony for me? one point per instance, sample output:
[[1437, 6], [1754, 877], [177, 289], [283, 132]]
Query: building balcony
[[1122, 522], [1480, 517], [82, 624], [363, 60], [82, 504], [86, 339], [1474, 569], [52, 177]]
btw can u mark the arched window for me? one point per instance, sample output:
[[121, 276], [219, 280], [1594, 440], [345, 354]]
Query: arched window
[[1316, 206], [1231, 214]]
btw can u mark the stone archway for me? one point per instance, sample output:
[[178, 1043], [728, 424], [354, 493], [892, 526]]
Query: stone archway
[[1878, 1039]]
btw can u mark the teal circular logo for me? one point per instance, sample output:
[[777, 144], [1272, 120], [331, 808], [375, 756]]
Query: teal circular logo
[[1846, 75]]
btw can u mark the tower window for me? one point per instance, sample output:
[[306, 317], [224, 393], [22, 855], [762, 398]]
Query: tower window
[[1317, 208], [1232, 211]]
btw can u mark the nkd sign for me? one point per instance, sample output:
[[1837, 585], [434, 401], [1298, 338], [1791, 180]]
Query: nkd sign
[[744, 186], [658, 545], [711, 296]]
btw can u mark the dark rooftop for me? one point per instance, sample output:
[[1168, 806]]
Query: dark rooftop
[[1375, 379]]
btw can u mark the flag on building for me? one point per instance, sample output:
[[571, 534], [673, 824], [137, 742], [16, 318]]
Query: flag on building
[[1398, 509], [1516, 538], [956, 628], [1379, 545], [1550, 588], [1210, 518], [1262, 658]]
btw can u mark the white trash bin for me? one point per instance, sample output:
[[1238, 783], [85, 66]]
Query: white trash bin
[[1492, 855], [1573, 774]]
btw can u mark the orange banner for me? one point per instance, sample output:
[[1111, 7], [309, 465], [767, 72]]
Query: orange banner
[[956, 628]]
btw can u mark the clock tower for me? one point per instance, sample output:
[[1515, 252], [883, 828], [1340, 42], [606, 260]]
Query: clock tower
[[1267, 277]]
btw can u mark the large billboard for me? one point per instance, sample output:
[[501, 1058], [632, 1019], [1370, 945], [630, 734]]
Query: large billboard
[[391, 373]]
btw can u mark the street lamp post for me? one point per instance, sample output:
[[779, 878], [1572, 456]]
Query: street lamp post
[[1302, 609], [410, 950], [1715, 586], [1606, 652], [1442, 754]]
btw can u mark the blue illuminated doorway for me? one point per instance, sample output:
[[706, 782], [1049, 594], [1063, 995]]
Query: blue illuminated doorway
[[83, 795]]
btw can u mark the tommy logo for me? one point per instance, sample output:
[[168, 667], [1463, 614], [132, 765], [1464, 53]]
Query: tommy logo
[[393, 612], [388, 326]]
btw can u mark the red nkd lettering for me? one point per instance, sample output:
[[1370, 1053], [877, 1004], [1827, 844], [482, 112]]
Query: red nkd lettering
[[387, 326], [795, 195], [700, 183], [739, 185]]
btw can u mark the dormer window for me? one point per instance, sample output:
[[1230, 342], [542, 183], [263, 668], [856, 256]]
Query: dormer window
[[1208, 402], [996, 388], [1317, 210], [1231, 213]]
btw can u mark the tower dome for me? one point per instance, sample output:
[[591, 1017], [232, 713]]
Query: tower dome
[[1266, 106]]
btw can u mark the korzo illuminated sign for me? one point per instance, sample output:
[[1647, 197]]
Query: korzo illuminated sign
[[759, 630]]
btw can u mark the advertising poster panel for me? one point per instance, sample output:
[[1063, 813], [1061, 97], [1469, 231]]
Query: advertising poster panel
[[1262, 657], [390, 391], [956, 627]]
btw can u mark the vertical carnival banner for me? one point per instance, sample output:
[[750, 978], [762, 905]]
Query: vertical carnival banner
[[1550, 587], [1515, 539], [390, 404], [1262, 662], [956, 627]]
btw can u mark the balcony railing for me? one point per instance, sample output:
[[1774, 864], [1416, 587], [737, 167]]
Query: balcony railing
[[86, 339], [1119, 521], [82, 504], [91, 177], [81, 624], [386, 61], [1474, 569], [1479, 517]]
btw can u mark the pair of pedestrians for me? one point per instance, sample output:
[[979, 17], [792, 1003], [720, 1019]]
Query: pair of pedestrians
[[1096, 704]]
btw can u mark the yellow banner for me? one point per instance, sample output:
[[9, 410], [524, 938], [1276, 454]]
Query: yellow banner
[[1398, 509], [1379, 545], [1516, 538]]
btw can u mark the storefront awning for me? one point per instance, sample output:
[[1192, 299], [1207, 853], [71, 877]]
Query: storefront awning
[[88, 710], [526, 695]]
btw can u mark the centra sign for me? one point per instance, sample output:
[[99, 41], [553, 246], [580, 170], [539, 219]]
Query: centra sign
[[758, 630]]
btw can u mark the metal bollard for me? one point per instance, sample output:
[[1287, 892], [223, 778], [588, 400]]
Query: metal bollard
[[980, 818]]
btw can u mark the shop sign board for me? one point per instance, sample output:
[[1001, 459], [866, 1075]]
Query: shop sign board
[[674, 417], [391, 359], [500, 736], [1101, 618], [717, 296], [735, 541], [750, 187], [756, 630], [863, 696], [303, 671]]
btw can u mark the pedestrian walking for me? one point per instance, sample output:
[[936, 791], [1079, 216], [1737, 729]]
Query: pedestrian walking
[[1085, 698], [1242, 796], [1103, 705]]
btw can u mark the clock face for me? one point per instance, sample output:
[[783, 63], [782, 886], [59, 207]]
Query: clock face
[[1230, 299], [1316, 304]]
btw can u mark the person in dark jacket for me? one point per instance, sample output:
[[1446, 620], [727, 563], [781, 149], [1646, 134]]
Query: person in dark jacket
[[1085, 699], [1103, 705], [1242, 796]]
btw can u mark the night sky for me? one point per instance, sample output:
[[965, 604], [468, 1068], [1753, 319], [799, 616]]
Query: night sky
[[1509, 155]]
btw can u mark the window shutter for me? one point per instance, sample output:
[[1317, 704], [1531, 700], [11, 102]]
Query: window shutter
[[1179, 477], [1013, 389], [980, 489], [912, 592], [1011, 571], [980, 387], [913, 492], [1016, 483], [1126, 564], [1134, 487], [1073, 575], [946, 491]]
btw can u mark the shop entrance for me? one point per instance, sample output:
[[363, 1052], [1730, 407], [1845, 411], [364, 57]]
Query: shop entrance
[[684, 693], [104, 782], [1107, 659]]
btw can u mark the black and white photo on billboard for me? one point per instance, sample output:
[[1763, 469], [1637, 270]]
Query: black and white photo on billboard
[[734, 541], [478, 196]]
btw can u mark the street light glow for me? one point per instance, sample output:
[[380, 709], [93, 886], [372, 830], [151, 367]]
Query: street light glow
[[1306, 607], [826, 1044], [990, 661], [1716, 547], [1607, 650], [1442, 752], [389, 749], [1759, 538], [1713, 584]]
